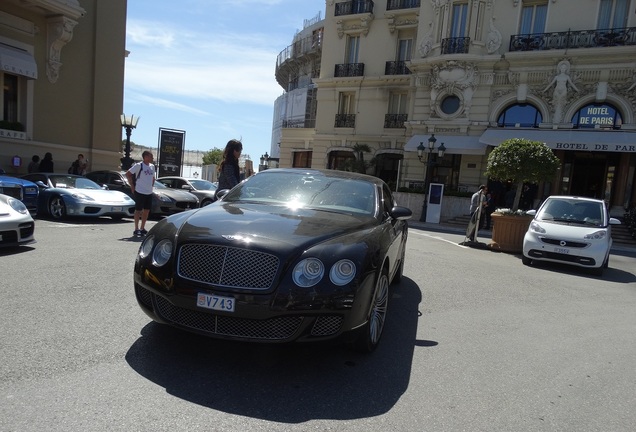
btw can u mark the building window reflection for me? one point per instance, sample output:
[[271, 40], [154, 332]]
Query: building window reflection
[[520, 115]]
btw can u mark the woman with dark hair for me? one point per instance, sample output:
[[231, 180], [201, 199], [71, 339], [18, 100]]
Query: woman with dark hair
[[230, 174], [46, 164]]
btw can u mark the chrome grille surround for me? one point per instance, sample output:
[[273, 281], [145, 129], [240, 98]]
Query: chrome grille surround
[[568, 243], [279, 328], [225, 266]]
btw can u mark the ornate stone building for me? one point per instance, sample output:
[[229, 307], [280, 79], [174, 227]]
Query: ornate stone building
[[474, 73], [62, 71]]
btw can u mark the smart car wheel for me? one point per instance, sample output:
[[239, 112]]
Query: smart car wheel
[[57, 208], [370, 334], [525, 260]]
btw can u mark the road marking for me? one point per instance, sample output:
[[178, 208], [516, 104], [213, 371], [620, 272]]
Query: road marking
[[439, 238]]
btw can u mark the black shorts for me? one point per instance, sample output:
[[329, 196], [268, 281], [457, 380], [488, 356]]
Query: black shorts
[[142, 202]]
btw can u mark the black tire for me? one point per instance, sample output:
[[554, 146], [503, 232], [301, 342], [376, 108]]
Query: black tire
[[369, 335], [525, 260], [116, 218], [206, 202], [57, 208]]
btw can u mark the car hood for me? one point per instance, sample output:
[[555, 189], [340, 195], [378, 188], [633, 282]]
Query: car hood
[[100, 195], [14, 180], [176, 194], [267, 226], [561, 230]]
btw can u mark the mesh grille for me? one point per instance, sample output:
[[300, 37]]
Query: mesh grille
[[326, 325], [144, 296], [570, 244], [280, 328], [12, 191], [226, 266]]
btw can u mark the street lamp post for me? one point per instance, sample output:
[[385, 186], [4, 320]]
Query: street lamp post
[[429, 167], [129, 123]]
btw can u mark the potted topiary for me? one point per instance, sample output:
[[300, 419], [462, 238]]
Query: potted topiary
[[520, 161]]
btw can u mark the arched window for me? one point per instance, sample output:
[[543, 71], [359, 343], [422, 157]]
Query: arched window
[[598, 116], [520, 115]]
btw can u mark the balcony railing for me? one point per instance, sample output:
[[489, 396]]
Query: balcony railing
[[573, 39], [300, 48], [395, 121], [456, 45], [396, 68], [402, 4], [345, 121], [349, 70], [354, 7]]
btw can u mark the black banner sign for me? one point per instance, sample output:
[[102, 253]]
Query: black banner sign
[[171, 143]]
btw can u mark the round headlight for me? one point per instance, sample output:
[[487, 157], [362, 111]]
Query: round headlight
[[308, 272], [146, 246], [162, 253], [17, 205], [342, 272]]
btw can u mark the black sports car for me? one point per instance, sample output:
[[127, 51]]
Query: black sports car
[[288, 255]]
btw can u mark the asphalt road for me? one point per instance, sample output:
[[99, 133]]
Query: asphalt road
[[475, 341]]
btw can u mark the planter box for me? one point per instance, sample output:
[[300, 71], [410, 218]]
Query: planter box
[[508, 232]]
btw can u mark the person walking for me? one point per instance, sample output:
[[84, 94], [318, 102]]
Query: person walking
[[46, 164], [230, 174], [34, 165], [141, 177]]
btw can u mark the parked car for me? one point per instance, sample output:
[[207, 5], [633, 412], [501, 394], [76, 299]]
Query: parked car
[[63, 195], [165, 201], [571, 230], [16, 224], [24, 190], [287, 255], [203, 189]]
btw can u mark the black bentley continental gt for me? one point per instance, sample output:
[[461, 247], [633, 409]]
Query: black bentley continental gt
[[288, 255]]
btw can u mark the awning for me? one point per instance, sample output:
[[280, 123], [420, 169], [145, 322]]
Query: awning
[[568, 139], [17, 61], [455, 144]]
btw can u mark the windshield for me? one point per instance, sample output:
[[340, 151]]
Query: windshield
[[305, 190], [202, 185], [73, 182], [572, 210]]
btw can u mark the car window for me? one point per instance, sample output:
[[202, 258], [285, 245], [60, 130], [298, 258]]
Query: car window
[[202, 185], [167, 182], [305, 190]]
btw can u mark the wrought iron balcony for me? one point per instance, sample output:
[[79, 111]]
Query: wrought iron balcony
[[402, 4], [345, 121], [573, 39], [354, 7], [456, 45], [349, 70], [396, 68], [395, 121], [302, 47]]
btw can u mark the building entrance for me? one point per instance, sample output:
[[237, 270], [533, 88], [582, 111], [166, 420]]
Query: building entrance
[[589, 174]]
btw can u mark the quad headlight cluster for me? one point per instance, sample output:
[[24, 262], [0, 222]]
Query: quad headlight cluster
[[161, 252], [310, 271]]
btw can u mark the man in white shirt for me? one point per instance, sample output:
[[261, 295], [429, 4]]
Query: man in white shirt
[[141, 177]]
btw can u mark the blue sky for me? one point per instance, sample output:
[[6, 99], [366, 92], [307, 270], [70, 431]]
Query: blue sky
[[207, 67]]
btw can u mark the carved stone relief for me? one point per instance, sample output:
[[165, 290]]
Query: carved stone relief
[[426, 45], [494, 38], [59, 31], [453, 78]]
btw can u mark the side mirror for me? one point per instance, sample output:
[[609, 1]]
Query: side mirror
[[401, 213], [220, 194], [187, 187], [614, 221], [531, 212]]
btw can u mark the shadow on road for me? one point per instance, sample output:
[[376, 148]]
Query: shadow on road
[[289, 383]]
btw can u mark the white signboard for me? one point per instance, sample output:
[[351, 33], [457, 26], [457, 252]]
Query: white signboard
[[434, 202]]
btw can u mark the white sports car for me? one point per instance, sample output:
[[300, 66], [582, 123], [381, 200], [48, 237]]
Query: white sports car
[[16, 224]]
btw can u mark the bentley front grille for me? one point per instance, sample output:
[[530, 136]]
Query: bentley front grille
[[227, 266], [280, 328], [326, 325]]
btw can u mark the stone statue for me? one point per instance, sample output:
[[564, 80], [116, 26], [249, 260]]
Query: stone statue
[[560, 93]]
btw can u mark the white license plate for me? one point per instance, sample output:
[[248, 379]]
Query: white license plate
[[116, 209], [215, 302], [562, 250]]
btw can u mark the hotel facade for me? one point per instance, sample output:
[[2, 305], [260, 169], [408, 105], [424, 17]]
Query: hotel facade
[[388, 76], [62, 73]]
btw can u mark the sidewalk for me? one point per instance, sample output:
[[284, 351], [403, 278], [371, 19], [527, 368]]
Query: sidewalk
[[485, 236]]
